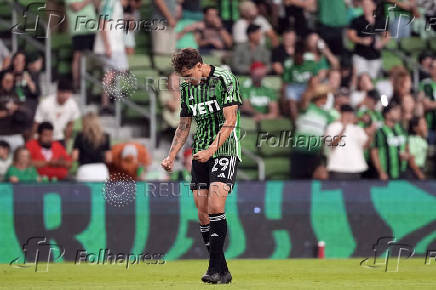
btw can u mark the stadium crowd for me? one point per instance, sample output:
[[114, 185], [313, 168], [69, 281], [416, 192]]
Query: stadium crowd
[[372, 123]]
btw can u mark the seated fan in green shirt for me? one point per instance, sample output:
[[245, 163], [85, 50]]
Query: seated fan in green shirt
[[259, 101], [21, 169]]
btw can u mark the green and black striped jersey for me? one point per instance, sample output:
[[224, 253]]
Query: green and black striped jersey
[[428, 86], [205, 102], [390, 142]]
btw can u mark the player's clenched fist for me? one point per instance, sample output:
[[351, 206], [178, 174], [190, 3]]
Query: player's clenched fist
[[202, 156], [168, 164]]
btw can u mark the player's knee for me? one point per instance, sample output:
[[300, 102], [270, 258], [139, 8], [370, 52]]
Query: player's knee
[[203, 217], [215, 208]]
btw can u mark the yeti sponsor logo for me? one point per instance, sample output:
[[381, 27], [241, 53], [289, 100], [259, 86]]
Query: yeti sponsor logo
[[205, 107]]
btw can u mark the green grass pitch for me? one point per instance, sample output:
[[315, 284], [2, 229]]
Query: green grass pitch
[[247, 274]]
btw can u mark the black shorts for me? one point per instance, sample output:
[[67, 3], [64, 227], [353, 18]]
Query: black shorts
[[83, 42], [219, 169]]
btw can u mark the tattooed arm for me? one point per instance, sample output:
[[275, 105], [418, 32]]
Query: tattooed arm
[[179, 139]]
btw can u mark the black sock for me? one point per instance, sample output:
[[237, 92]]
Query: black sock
[[204, 229], [218, 232]]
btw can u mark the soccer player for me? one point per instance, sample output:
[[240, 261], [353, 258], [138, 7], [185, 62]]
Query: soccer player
[[210, 96]]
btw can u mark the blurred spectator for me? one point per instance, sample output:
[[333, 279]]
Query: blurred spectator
[[5, 54], [425, 60], [334, 82], [346, 159], [92, 150], [229, 12], [310, 126], [295, 11], [34, 67], [250, 15], [21, 169], [417, 141], [402, 94], [247, 53], [340, 97], [321, 54], [185, 173], [5, 158], [209, 33], [284, 52], [25, 87], [386, 87], [109, 46], [390, 154], [164, 41], [191, 9], [401, 13], [364, 85], [61, 110], [48, 156], [83, 35], [348, 75], [305, 65], [368, 114], [368, 43], [428, 90], [170, 99], [332, 18], [131, 14], [259, 100], [15, 117], [130, 158]]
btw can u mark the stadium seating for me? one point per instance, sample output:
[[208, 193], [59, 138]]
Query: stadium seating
[[274, 154]]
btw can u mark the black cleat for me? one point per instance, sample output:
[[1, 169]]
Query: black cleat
[[206, 277], [215, 278], [226, 278]]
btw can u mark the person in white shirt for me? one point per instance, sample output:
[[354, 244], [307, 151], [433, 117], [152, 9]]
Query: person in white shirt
[[5, 158], [60, 110], [110, 46], [346, 152], [250, 15]]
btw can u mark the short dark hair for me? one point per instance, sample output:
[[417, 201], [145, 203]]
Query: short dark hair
[[186, 58], [423, 55], [5, 144], [413, 123], [65, 85], [288, 29], [391, 105], [44, 126], [346, 108], [207, 8], [252, 28]]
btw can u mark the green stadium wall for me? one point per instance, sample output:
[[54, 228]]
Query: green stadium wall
[[266, 220]]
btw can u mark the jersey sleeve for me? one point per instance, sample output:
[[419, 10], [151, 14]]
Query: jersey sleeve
[[378, 140], [184, 112], [230, 91]]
